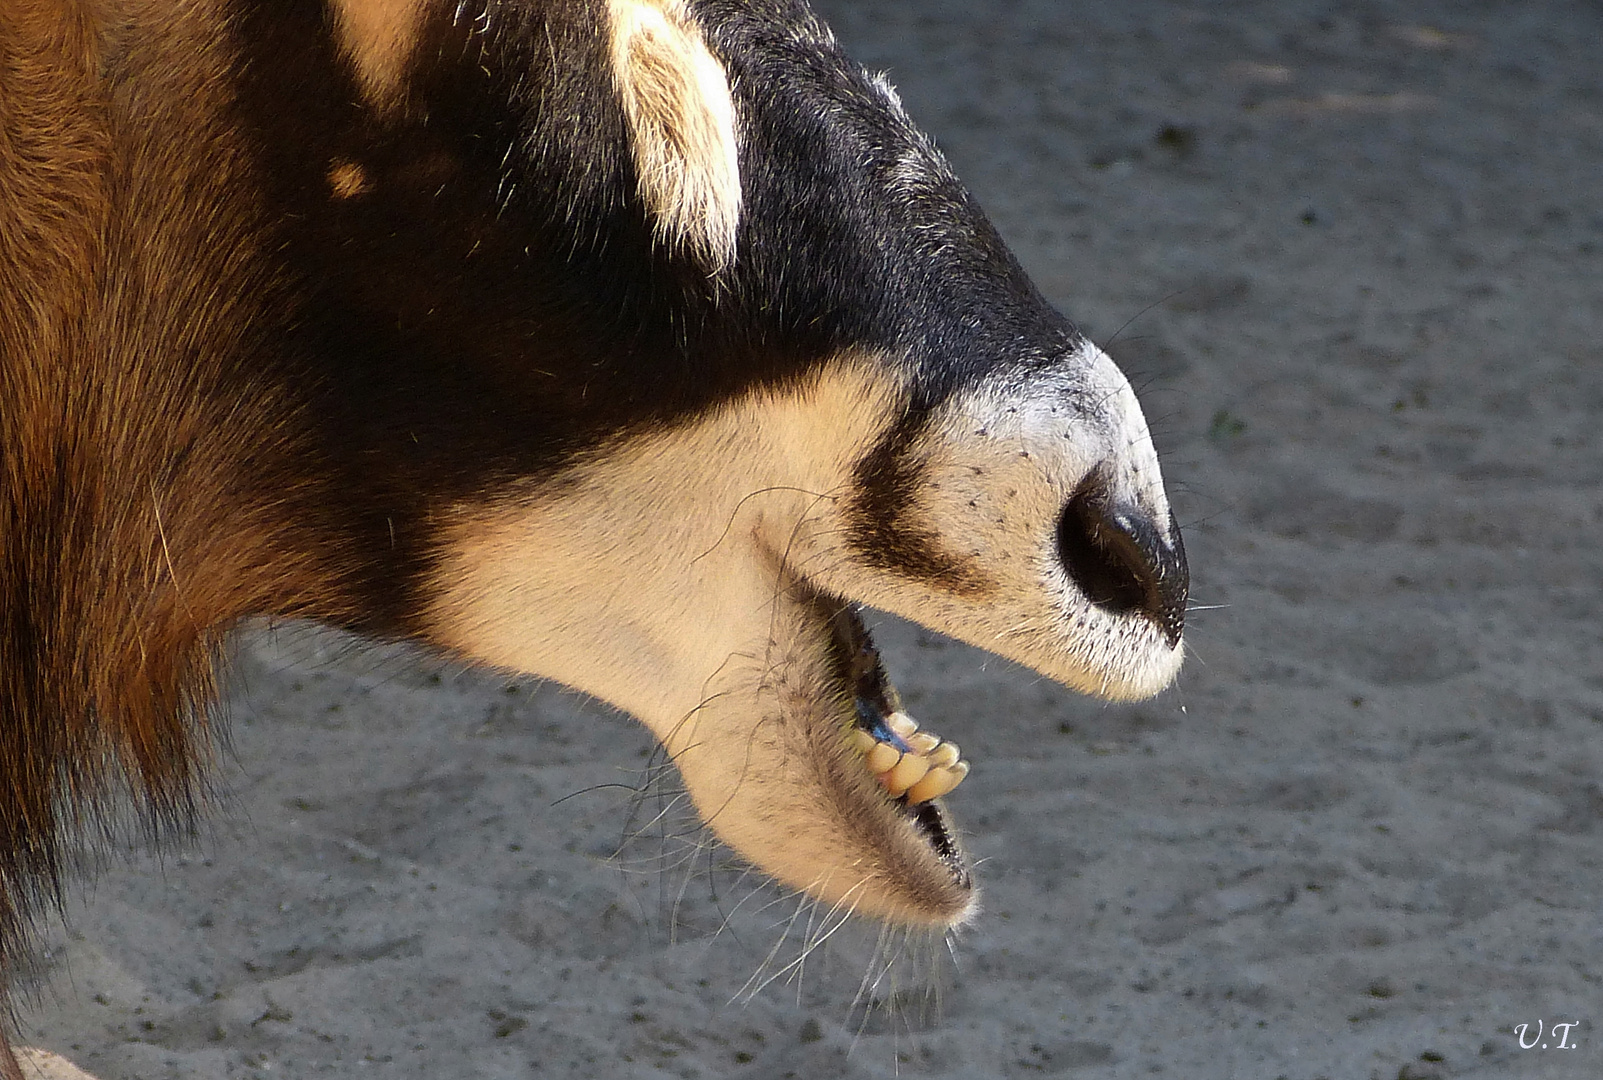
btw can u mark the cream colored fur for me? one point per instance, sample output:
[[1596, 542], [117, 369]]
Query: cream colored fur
[[688, 577], [1003, 459], [682, 125], [656, 577], [378, 37]]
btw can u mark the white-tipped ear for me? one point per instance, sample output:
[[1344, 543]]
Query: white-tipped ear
[[681, 125]]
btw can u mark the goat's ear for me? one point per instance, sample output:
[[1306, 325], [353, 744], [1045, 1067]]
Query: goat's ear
[[681, 118], [378, 38]]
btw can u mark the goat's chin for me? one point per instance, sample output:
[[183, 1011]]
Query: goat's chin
[[777, 760], [801, 758]]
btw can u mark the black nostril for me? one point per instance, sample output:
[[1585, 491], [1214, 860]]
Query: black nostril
[[1114, 554]]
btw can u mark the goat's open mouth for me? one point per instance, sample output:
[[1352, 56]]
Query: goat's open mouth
[[913, 767]]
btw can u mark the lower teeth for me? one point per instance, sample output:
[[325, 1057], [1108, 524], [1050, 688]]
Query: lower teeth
[[913, 765]]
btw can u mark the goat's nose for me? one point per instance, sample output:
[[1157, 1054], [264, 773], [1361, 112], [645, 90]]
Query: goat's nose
[[1114, 552]]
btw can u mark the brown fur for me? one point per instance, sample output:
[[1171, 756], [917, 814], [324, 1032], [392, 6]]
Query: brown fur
[[126, 554]]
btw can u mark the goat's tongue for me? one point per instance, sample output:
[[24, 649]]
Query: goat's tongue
[[912, 765]]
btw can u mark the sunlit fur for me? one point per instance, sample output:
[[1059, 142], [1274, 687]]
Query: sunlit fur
[[994, 469], [682, 125], [378, 37], [660, 578], [689, 577]]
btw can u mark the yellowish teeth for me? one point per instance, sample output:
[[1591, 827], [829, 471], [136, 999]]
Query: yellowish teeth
[[883, 757], [929, 767], [902, 724], [907, 772], [936, 782]]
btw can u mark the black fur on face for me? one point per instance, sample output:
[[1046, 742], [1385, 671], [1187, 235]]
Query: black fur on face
[[495, 301], [502, 257]]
